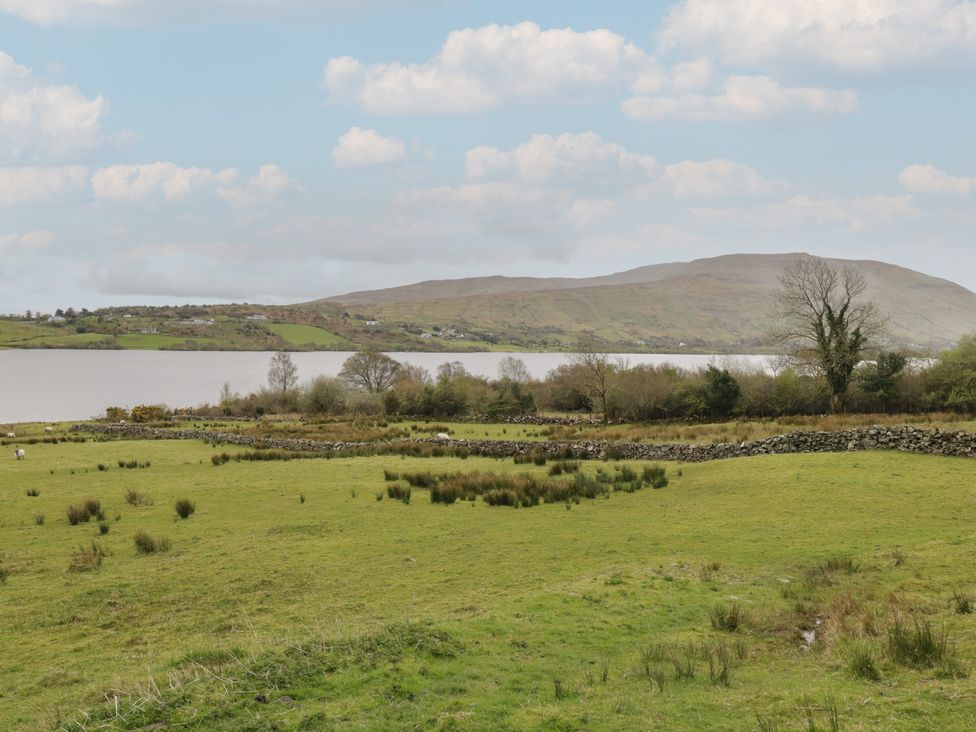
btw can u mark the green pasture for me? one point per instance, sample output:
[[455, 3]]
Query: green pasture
[[300, 335], [348, 612]]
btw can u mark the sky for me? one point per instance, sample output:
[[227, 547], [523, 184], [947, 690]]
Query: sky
[[279, 151]]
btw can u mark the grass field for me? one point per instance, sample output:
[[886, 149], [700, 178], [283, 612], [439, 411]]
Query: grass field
[[344, 612], [301, 335], [155, 341]]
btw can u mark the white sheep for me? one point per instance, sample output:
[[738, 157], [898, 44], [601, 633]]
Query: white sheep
[[19, 453], [49, 430], [443, 436], [122, 423], [11, 435]]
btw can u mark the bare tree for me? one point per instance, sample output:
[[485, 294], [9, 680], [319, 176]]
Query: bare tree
[[370, 371], [824, 321], [596, 372], [282, 374], [513, 369]]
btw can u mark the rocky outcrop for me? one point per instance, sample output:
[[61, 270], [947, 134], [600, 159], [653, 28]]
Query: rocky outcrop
[[907, 439]]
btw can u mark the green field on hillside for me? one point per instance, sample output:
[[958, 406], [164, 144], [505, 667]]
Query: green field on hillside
[[347, 612], [301, 335]]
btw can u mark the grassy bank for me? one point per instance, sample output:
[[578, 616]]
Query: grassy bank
[[292, 584]]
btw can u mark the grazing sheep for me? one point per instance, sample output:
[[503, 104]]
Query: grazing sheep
[[122, 423], [19, 453], [11, 435], [49, 430], [443, 436]]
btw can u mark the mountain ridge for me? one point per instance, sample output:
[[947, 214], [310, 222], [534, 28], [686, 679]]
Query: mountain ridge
[[725, 301]]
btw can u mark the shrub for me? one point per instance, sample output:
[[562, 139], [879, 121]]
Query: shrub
[[103, 527], [87, 558], [102, 467], [301, 498], [726, 617], [146, 544], [39, 519], [33, 492], [389, 476], [379, 496], [220, 458], [4, 575], [185, 508], [135, 498]]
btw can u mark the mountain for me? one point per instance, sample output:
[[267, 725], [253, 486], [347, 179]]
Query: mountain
[[721, 303]]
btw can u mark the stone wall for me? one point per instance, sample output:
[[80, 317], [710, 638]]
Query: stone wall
[[908, 439]]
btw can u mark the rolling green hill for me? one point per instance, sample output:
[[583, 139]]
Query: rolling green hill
[[723, 303]]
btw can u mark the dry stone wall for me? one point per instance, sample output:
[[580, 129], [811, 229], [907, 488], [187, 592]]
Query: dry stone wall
[[907, 439]]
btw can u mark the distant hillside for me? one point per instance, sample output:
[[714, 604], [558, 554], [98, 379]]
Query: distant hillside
[[722, 303]]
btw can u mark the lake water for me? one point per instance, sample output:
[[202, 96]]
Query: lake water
[[53, 385]]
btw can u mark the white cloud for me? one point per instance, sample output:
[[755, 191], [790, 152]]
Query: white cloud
[[168, 180], [863, 35], [269, 184], [44, 120], [478, 68], [172, 182], [33, 241], [359, 147], [504, 209], [52, 12], [30, 185], [717, 178], [803, 212], [929, 179], [587, 160], [580, 156], [740, 98]]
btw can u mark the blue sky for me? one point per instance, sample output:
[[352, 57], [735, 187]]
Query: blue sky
[[280, 151]]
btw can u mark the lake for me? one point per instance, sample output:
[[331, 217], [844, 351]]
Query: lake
[[54, 385]]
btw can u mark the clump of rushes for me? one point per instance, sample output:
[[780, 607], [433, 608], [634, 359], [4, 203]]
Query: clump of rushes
[[83, 512], [87, 558], [135, 498], [399, 492], [185, 508], [726, 617], [146, 544], [33, 492]]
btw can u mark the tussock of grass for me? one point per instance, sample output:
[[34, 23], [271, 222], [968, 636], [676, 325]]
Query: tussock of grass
[[85, 511], [727, 617], [87, 558], [399, 492], [917, 644], [146, 544], [135, 498], [962, 602], [861, 662], [185, 508]]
